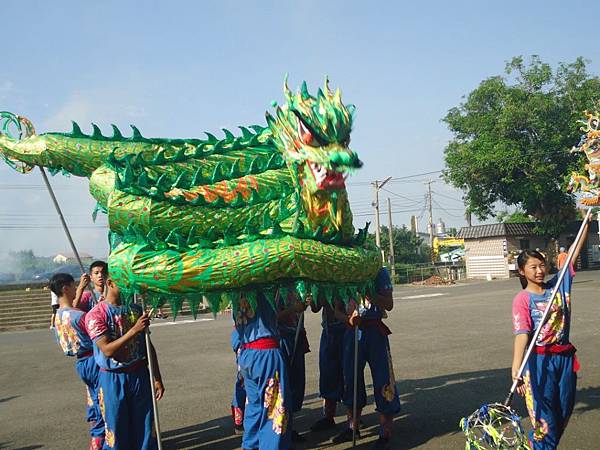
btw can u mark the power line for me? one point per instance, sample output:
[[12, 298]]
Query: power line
[[399, 195], [445, 210], [394, 179], [417, 175], [447, 196], [36, 187], [46, 227]]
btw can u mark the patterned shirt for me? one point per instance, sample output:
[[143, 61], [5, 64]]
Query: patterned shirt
[[70, 331], [89, 300], [113, 322], [528, 309], [252, 325]]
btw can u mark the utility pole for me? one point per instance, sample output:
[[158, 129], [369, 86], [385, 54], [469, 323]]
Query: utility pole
[[392, 259], [377, 224], [430, 213], [430, 220], [375, 204]]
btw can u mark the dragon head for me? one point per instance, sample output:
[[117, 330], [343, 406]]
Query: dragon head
[[313, 134]]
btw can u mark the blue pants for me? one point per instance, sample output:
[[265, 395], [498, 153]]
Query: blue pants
[[126, 403], [373, 347], [297, 367], [238, 403], [239, 391], [550, 384], [268, 406], [331, 363], [88, 370]]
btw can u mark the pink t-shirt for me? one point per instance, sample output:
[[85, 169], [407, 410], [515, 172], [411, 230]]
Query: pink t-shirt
[[528, 310], [89, 300], [113, 321]]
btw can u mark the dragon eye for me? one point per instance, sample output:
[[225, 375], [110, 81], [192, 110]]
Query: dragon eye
[[305, 134]]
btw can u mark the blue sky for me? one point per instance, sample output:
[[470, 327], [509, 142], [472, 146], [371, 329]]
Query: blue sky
[[178, 68]]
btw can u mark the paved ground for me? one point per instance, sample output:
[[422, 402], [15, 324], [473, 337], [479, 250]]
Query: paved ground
[[451, 347]]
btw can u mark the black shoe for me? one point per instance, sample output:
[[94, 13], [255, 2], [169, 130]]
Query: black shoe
[[382, 443], [323, 424], [297, 437], [238, 430], [345, 436]]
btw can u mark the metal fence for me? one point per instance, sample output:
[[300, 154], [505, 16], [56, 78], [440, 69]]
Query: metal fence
[[406, 274]]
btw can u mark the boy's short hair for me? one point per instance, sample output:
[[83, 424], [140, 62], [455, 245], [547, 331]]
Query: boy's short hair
[[100, 264], [59, 281]]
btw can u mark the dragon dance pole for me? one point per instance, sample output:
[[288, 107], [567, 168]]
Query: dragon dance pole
[[64, 225], [150, 357], [538, 330], [299, 327], [62, 219], [355, 393]]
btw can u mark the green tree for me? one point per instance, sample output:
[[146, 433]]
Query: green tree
[[515, 217], [408, 248], [24, 263], [511, 140]]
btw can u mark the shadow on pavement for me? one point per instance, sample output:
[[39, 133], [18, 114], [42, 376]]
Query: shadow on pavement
[[214, 434], [7, 399], [587, 399], [431, 407], [29, 447]]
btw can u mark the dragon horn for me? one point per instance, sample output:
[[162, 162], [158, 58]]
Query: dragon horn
[[286, 89], [304, 91], [326, 87]]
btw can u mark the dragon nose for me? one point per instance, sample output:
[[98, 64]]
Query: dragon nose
[[347, 158]]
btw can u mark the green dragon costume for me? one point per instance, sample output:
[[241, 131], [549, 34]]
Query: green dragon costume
[[221, 217]]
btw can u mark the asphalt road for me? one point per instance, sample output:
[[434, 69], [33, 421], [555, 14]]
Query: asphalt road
[[451, 348]]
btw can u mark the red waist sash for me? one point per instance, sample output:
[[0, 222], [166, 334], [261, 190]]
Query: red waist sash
[[262, 344], [557, 349]]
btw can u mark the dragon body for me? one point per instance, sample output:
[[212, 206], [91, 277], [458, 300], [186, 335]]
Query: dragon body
[[221, 217]]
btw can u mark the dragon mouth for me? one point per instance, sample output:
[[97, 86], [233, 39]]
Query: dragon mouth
[[327, 178]]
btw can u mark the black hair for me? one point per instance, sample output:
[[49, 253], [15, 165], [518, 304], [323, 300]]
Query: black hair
[[59, 281], [101, 264], [522, 259]]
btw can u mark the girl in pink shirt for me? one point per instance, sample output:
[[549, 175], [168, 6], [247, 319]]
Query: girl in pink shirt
[[549, 380]]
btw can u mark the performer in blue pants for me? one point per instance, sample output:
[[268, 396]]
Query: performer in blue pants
[[549, 380], [124, 395], [288, 319], [262, 364], [89, 372], [71, 335], [374, 348], [331, 375], [238, 403]]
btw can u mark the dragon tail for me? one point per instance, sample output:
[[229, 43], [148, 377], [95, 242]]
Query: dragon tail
[[74, 153]]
